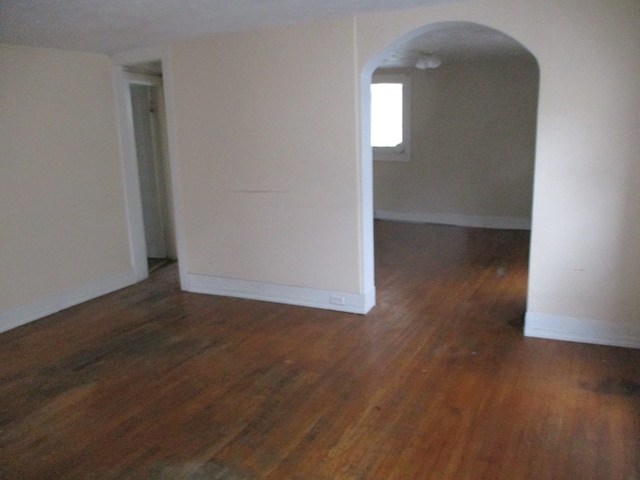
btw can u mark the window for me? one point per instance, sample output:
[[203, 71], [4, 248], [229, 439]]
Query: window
[[390, 101]]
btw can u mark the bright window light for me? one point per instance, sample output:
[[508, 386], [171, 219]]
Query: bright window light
[[386, 114]]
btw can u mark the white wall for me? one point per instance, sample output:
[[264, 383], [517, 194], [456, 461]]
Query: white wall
[[585, 260], [275, 196], [63, 236], [267, 142], [276, 193], [472, 146]]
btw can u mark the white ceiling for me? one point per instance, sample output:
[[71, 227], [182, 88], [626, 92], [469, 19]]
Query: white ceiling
[[112, 26]]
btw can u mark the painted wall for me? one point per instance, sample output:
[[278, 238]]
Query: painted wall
[[472, 146], [585, 260], [275, 192], [267, 142], [63, 234]]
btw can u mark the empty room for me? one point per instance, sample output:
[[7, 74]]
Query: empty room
[[213, 267]]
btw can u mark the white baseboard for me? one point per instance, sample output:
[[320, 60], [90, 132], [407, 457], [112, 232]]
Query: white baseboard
[[24, 314], [582, 330], [301, 296], [477, 221]]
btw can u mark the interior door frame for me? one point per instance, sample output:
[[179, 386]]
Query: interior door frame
[[131, 185], [157, 160]]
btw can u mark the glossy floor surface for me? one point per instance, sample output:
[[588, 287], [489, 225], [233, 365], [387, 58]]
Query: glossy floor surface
[[437, 382]]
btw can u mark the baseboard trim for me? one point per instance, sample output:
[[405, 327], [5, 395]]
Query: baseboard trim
[[582, 330], [477, 221], [18, 316], [290, 295]]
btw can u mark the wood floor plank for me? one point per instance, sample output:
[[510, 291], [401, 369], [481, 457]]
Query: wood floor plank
[[437, 382]]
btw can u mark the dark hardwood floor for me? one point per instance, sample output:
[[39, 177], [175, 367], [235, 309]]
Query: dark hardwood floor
[[437, 382]]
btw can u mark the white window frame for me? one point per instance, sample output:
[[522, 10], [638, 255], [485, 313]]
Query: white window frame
[[400, 153]]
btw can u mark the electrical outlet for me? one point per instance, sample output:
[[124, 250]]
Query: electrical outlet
[[337, 300]]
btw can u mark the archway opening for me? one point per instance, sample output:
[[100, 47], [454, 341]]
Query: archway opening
[[468, 176]]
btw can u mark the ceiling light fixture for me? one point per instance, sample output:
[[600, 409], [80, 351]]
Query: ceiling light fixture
[[428, 60]]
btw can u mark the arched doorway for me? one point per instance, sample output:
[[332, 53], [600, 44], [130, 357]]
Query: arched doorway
[[473, 134]]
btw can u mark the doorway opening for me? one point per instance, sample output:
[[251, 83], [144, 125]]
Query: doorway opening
[[148, 175], [148, 126], [474, 98]]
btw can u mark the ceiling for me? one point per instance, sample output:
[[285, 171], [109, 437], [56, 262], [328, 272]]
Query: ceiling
[[112, 26]]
